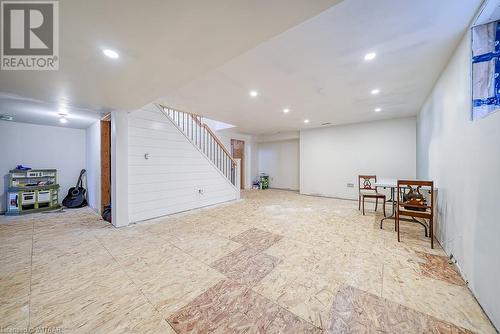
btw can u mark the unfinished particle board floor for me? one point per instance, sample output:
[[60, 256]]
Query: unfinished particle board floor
[[274, 262]]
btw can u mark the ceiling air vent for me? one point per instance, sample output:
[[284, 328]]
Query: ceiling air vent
[[6, 118], [327, 123]]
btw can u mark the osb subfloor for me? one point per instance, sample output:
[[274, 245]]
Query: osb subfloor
[[274, 262]]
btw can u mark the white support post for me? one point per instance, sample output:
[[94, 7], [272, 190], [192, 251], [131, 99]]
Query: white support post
[[237, 182], [119, 168]]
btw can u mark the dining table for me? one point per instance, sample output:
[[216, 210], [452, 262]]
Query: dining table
[[392, 184]]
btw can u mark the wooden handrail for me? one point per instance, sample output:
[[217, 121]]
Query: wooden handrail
[[197, 118], [193, 115], [219, 142]]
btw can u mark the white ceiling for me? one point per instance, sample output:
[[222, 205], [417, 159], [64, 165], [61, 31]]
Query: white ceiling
[[317, 69], [39, 112], [162, 45]]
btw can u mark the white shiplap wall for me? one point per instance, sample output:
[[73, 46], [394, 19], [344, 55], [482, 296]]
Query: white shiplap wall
[[170, 180]]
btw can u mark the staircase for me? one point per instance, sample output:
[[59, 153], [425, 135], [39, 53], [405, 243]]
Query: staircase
[[202, 137]]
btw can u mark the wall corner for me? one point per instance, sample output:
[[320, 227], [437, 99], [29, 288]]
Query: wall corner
[[119, 168]]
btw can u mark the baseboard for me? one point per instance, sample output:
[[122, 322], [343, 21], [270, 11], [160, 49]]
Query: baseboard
[[285, 189]]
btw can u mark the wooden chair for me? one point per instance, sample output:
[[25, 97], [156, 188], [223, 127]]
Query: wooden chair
[[416, 200], [368, 190]]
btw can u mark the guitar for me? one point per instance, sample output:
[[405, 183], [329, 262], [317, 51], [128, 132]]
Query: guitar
[[77, 195]]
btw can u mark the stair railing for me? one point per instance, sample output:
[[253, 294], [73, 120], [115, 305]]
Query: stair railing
[[201, 136]]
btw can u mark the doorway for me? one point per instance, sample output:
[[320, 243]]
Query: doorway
[[238, 152], [105, 163]]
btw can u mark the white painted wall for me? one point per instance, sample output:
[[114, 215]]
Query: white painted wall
[[463, 158], [93, 165], [254, 164], [251, 169], [169, 181], [41, 146], [288, 135], [119, 168], [280, 160], [334, 156]]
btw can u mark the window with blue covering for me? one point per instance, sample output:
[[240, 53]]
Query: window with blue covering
[[485, 69]]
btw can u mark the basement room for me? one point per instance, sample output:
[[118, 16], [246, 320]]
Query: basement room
[[285, 166]]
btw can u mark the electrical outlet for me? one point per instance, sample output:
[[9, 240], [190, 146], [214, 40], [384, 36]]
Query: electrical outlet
[[200, 191], [350, 185]]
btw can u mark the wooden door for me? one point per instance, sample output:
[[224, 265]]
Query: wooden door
[[105, 163], [238, 152]]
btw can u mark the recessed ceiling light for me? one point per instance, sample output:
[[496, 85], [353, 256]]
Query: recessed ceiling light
[[378, 109], [111, 53], [375, 91], [63, 120], [370, 56], [306, 121], [253, 93], [286, 110]]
